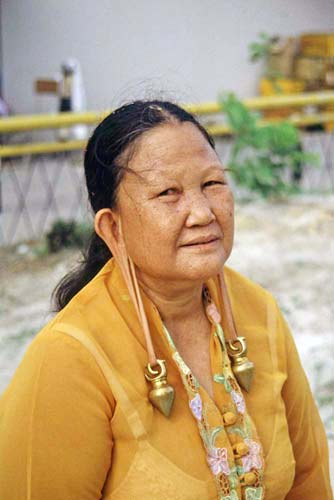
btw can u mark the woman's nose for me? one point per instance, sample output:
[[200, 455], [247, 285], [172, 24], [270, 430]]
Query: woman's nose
[[199, 211]]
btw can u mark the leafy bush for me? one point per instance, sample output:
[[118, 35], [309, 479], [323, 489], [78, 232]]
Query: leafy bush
[[262, 49], [261, 153], [65, 234]]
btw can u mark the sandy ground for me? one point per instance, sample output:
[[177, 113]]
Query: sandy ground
[[286, 247]]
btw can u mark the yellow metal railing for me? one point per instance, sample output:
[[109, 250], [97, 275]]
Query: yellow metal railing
[[35, 148], [26, 123]]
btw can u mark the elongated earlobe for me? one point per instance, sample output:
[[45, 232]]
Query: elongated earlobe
[[162, 394]]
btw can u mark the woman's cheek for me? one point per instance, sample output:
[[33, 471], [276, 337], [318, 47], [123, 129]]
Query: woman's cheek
[[167, 220]]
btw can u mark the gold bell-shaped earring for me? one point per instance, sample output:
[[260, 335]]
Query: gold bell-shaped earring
[[162, 395], [242, 367]]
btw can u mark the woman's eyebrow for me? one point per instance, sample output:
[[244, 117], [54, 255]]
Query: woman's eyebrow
[[140, 174], [215, 167], [150, 178], [155, 176]]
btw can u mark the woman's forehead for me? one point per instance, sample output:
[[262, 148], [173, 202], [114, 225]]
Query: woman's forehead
[[172, 149]]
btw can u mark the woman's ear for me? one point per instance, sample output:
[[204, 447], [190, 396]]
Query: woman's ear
[[106, 226]]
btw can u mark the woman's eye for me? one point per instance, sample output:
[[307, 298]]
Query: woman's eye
[[168, 192], [213, 183]]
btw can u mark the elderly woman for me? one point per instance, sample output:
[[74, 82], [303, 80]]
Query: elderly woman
[[141, 386]]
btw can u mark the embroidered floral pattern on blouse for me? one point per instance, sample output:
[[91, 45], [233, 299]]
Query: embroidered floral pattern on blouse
[[220, 379], [233, 496], [224, 483], [254, 493], [196, 407], [252, 459], [225, 469], [192, 382], [217, 460], [238, 401]]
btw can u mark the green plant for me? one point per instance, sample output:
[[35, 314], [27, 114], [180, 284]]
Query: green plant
[[261, 49], [65, 234], [261, 153]]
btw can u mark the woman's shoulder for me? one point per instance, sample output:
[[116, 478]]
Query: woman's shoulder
[[241, 282], [84, 312], [54, 355], [256, 312], [79, 338], [247, 295], [56, 361]]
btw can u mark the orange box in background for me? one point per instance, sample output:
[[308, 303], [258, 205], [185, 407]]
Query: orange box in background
[[46, 86], [317, 44]]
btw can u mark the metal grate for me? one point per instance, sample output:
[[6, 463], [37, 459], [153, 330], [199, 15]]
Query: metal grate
[[37, 190], [322, 178]]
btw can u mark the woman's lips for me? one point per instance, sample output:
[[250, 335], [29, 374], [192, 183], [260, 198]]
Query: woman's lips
[[210, 243]]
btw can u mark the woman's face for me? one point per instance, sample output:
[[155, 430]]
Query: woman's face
[[176, 207]]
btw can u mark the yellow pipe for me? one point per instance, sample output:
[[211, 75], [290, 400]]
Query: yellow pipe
[[58, 120], [297, 120], [216, 130], [40, 148], [48, 121], [269, 102], [312, 119], [305, 99]]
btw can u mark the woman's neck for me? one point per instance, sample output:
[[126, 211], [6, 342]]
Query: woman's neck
[[176, 303]]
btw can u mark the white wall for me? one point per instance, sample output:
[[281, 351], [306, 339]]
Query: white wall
[[191, 48]]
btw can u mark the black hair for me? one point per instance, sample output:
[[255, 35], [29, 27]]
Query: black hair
[[105, 165]]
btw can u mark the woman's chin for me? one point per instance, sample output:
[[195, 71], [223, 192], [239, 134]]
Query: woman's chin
[[203, 269], [195, 267]]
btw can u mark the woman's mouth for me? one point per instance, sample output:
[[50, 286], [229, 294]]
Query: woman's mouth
[[203, 243]]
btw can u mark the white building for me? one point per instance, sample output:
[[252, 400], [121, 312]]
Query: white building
[[189, 49]]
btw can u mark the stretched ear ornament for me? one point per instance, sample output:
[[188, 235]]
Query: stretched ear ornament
[[162, 394], [242, 367]]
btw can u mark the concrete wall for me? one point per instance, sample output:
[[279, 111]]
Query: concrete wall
[[191, 49]]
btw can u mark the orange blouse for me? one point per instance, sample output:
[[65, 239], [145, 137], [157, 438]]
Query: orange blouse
[[76, 422]]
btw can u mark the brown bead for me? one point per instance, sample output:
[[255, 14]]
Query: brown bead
[[240, 449], [250, 478], [229, 418]]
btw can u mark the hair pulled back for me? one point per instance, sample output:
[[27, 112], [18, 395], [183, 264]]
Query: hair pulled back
[[105, 164]]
